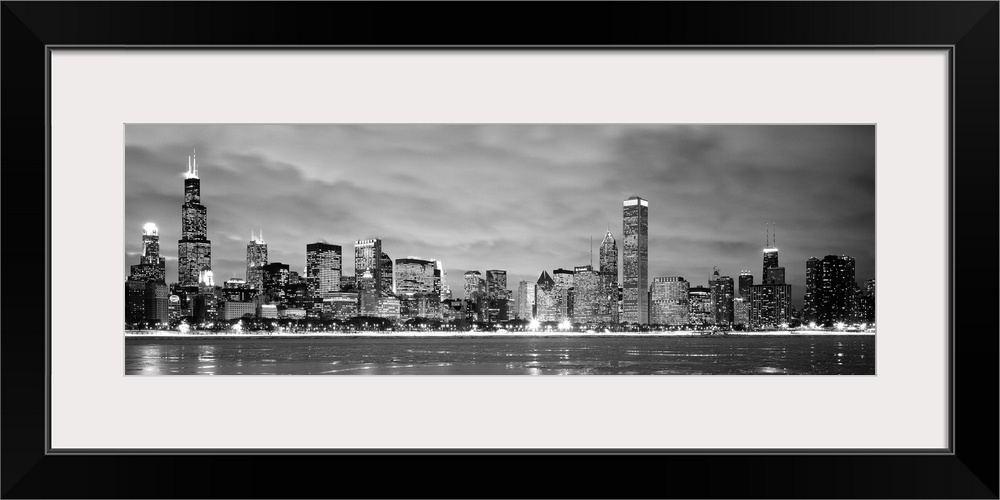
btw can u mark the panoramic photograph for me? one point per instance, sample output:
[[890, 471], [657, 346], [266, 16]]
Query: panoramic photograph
[[499, 249]]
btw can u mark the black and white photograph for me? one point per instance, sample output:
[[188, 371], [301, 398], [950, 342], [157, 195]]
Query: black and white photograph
[[499, 249]]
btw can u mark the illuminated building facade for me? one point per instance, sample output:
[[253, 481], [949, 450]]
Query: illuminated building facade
[[472, 279], [770, 305], [546, 299], [387, 275], [746, 281], [323, 269], [233, 309], [415, 275], [418, 287], [146, 293], [563, 279], [237, 290], [367, 294], [635, 260], [722, 298], [151, 266], [700, 311], [830, 285], [608, 304], [869, 302], [256, 260], [341, 305], [368, 258], [497, 295], [194, 250], [275, 280], [668, 301], [526, 300], [741, 310], [586, 294]]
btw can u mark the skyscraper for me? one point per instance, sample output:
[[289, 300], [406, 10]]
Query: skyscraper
[[418, 286], [256, 260], [700, 311], [414, 275], [323, 269], [741, 309], [546, 298], [830, 285], [722, 299], [770, 259], [668, 301], [194, 250], [563, 279], [471, 284], [746, 281], [869, 302], [496, 284], [496, 293], [151, 266], [368, 257], [146, 292], [445, 288], [275, 278], [635, 260], [387, 275], [526, 300], [608, 304], [770, 305], [586, 294]]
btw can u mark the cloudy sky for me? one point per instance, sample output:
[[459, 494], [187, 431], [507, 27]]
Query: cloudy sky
[[517, 197]]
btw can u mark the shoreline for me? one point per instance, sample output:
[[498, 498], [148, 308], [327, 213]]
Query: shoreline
[[477, 335]]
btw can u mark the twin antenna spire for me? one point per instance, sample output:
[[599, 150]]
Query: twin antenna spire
[[260, 236], [192, 165], [769, 238]]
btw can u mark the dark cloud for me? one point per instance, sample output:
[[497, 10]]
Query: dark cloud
[[518, 197]]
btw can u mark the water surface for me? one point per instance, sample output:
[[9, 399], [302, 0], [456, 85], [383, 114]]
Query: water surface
[[789, 355]]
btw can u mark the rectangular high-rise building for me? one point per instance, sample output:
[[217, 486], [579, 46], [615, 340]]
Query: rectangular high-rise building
[[368, 258], [700, 310], [741, 310], [722, 299], [635, 260], [418, 287], [586, 294], [770, 305], [256, 260], [830, 285], [746, 281], [526, 300], [563, 287], [275, 277], [668, 301], [323, 269], [496, 293]]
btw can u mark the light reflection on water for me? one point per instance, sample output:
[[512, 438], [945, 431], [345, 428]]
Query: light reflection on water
[[531, 356]]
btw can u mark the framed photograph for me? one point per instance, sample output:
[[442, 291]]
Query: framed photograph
[[449, 211]]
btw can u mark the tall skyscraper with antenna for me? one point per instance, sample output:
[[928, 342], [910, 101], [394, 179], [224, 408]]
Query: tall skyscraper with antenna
[[635, 260], [770, 255], [194, 249]]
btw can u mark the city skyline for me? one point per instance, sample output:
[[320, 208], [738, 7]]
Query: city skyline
[[513, 197]]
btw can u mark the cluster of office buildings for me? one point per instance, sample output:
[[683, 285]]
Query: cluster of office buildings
[[414, 288]]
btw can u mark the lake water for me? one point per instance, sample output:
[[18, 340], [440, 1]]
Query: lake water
[[789, 355]]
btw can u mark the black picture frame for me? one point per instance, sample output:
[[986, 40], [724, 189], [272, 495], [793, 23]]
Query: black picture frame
[[969, 29]]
